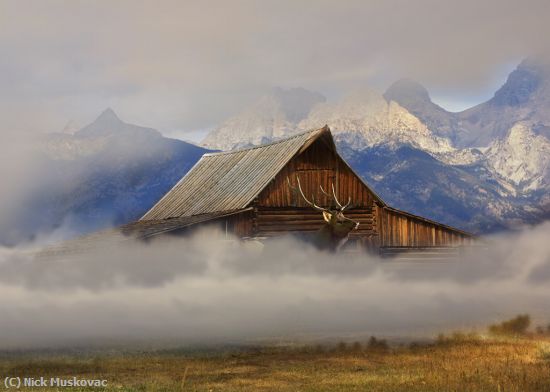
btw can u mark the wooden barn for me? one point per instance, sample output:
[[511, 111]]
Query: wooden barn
[[247, 193]]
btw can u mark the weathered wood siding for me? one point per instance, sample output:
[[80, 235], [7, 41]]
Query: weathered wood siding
[[317, 165], [403, 230], [239, 225], [279, 209], [273, 221], [242, 224]]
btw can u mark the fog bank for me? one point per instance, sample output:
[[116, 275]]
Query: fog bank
[[201, 290]]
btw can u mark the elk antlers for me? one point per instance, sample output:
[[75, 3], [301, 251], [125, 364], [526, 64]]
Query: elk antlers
[[312, 203], [340, 206]]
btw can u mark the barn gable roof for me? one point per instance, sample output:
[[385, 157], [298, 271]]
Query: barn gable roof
[[227, 181]]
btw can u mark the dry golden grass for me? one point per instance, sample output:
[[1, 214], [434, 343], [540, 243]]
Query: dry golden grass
[[459, 363]]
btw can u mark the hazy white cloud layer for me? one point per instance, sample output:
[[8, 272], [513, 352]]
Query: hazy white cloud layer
[[185, 65], [204, 290]]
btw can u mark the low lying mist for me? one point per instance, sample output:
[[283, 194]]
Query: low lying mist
[[202, 290]]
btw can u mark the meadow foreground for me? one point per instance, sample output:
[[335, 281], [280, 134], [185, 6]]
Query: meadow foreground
[[459, 363]]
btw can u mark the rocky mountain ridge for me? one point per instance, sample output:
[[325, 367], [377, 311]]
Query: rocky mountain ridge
[[273, 116], [483, 169], [505, 141], [105, 174]]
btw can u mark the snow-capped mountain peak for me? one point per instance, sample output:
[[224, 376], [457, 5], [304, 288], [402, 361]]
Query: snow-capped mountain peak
[[522, 158], [489, 163], [108, 116], [274, 115], [521, 84], [525, 96], [414, 97], [106, 130], [368, 114], [407, 90], [109, 124], [109, 176]]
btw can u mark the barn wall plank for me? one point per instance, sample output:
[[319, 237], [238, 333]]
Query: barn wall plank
[[401, 230]]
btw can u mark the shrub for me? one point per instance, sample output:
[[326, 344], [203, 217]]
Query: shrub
[[458, 337], [377, 344], [442, 339], [513, 327], [319, 348], [543, 329], [342, 346], [356, 346]]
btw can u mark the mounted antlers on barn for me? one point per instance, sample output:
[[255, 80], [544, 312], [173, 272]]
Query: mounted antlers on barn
[[336, 230]]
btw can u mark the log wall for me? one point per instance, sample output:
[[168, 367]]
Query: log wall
[[280, 210], [318, 165], [272, 221], [398, 229], [241, 224]]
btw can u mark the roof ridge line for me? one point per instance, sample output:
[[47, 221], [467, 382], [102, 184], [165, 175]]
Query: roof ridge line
[[266, 144]]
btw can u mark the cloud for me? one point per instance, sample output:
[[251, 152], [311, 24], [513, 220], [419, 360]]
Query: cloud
[[200, 289], [188, 65]]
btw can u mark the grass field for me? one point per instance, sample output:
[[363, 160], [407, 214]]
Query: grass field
[[459, 363]]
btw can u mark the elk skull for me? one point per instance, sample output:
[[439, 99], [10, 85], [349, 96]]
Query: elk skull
[[336, 231]]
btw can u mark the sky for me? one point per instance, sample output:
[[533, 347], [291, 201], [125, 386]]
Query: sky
[[185, 66]]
